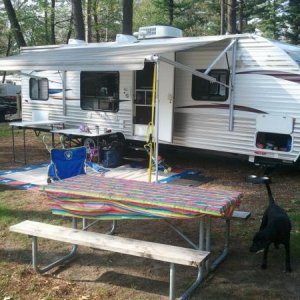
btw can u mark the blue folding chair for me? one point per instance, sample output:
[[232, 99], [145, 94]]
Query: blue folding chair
[[66, 163]]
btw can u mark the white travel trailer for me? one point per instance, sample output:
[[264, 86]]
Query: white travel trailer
[[234, 93]]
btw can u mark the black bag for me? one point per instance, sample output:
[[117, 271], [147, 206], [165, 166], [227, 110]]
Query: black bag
[[112, 155]]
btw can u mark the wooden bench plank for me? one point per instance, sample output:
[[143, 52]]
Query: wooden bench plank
[[243, 215], [162, 252]]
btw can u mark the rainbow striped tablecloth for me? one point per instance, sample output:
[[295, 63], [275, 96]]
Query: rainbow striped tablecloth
[[95, 196]]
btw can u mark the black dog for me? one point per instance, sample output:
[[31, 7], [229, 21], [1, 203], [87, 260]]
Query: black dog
[[275, 228]]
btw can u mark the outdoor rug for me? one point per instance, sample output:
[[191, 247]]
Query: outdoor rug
[[25, 178], [33, 176]]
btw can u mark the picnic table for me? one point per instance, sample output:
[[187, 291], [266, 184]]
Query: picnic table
[[37, 127], [79, 137], [98, 197], [101, 198]]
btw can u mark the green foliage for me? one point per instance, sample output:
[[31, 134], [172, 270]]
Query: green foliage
[[110, 19], [293, 20], [274, 18], [33, 20], [193, 17], [146, 14]]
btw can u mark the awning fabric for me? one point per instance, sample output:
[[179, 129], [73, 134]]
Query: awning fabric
[[102, 56]]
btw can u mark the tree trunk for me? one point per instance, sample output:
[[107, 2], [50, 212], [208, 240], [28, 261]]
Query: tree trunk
[[231, 16], [171, 12], [89, 20], [96, 21], [70, 28], [241, 17], [46, 22], [78, 20], [52, 23], [14, 23], [127, 16], [222, 17], [7, 54]]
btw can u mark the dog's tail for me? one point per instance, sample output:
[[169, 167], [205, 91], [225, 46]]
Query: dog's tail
[[271, 198]]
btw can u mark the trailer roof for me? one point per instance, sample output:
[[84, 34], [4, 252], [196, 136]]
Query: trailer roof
[[292, 50], [112, 56]]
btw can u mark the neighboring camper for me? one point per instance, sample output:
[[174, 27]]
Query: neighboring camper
[[9, 100], [234, 93]]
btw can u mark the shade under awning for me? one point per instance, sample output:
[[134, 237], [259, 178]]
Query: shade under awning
[[104, 56]]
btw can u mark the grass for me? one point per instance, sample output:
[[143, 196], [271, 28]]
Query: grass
[[295, 234], [294, 214], [5, 130], [15, 207], [8, 212]]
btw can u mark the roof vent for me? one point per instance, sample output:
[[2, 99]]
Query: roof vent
[[156, 32], [76, 42], [125, 39]]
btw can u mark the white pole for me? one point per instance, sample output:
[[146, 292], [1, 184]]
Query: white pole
[[232, 87], [156, 121], [64, 84]]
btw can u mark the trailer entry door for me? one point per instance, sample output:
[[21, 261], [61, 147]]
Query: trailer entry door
[[166, 99], [143, 99]]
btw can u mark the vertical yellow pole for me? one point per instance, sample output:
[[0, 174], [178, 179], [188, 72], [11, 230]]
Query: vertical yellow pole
[[151, 125]]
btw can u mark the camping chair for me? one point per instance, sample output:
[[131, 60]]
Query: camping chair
[[46, 142], [66, 163]]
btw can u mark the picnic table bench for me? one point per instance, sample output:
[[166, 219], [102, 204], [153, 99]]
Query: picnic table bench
[[156, 251]]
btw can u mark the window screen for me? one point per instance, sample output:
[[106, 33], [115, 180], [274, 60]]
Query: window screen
[[38, 88], [99, 91], [204, 90]]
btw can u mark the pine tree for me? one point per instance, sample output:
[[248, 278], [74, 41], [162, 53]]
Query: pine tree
[[293, 19]]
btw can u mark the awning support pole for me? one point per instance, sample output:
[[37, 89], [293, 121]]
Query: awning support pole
[[178, 65], [156, 122], [231, 89], [232, 43]]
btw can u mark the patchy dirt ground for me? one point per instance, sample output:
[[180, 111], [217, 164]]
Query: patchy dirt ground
[[103, 275]]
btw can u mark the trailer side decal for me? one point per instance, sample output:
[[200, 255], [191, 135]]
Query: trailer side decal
[[225, 106]]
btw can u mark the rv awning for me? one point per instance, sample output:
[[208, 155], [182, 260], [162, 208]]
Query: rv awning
[[104, 56]]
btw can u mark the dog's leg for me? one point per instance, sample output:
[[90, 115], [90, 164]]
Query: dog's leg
[[265, 257], [287, 258]]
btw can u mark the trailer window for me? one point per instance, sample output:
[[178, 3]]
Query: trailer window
[[38, 88], [99, 91], [204, 90]]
